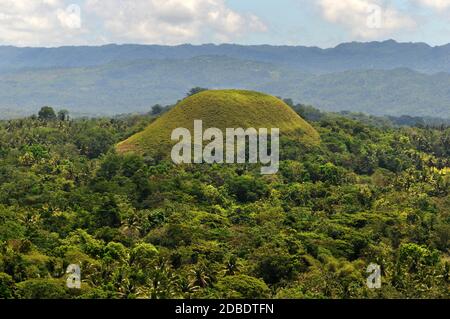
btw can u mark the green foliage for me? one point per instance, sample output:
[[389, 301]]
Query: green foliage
[[247, 189], [47, 113], [94, 142], [6, 286], [141, 227], [242, 287], [196, 90], [157, 109], [63, 115], [41, 289]]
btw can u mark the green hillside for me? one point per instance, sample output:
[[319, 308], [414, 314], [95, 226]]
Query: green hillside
[[134, 86], [222, 109]]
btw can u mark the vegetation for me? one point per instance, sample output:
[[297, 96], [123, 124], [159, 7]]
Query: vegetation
[[196, 90], [141, 227], [47, 113]]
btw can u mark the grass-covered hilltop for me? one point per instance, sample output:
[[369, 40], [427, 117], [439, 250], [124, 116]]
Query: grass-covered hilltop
[[221, 109], [370, 191]]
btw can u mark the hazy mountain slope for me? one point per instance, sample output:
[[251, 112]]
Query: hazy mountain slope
[[127, 87], [391, 92], [348, 56], [135, 86]]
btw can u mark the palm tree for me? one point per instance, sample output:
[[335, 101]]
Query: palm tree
[[187, 287], [200, 277], [231, 266], [162, 282]]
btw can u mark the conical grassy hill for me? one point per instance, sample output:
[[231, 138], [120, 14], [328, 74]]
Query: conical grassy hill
[[221, 109]]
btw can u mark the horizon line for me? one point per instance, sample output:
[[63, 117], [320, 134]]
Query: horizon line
[[222, 44]]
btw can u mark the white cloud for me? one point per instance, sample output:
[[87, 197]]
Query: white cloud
[[55, 22], [70, 18], [365, 19], [172, 21], [35, 22], [435, 4], [51, 22]]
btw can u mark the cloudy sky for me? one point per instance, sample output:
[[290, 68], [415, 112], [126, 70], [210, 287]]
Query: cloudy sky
[[323, 23]]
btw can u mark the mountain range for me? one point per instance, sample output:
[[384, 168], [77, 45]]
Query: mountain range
[[381, 78]]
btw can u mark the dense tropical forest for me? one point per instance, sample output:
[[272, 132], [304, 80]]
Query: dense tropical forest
[[371, 192]]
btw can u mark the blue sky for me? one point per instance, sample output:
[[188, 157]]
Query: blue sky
[[302, 22], [323, 23]]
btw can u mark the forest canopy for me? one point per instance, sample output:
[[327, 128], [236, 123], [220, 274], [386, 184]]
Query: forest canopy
[[140, 227]]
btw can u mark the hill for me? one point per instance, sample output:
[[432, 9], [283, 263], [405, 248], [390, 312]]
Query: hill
[[128, 87], [221, 109], [378, 92], [347, 56]]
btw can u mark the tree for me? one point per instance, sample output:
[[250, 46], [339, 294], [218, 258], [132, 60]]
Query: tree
[[63, 115], [6, 286], [157, 109], [115, 252], [47, 113], [199, 276], [274, 264], [142, 254], [247, 188], [289, 102], [231, 266], [196, 90], [41, 289], [108, 214], [242, 287], [94, 142], [416, 270]]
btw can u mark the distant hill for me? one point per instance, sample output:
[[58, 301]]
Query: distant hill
[[126, 87], [381, 78], [221, 109], [379, 92], [348, 56]]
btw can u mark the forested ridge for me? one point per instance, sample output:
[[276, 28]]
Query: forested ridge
[[381, 78], [132, 86], [144, 228]]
